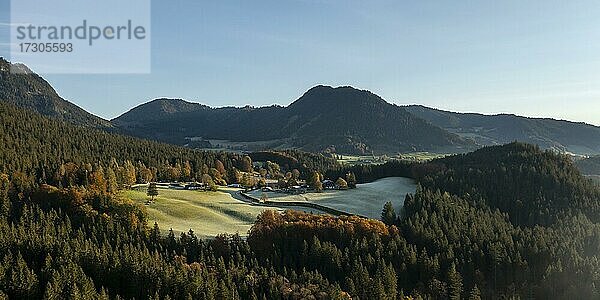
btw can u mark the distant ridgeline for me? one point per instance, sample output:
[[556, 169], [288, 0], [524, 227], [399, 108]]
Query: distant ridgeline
[[558, 135], [341, 120], [324, 119]]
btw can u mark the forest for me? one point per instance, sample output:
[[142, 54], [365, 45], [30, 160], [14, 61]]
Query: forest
[[508, 221]]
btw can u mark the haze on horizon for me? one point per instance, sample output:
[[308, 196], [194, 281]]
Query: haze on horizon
[[534, 58]]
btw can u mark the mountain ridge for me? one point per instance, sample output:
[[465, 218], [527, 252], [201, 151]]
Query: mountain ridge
[[341, 119], [324, 118], [561, 135], [29, 90]]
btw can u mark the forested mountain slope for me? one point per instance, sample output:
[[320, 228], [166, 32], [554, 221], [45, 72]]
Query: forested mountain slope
[[564, 136], [28, 90], [340, 119], [47, 149], [531, 185]]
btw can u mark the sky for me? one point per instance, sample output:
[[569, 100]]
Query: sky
[[531, 58]]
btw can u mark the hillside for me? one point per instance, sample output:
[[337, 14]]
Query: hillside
[[50, 148], [564, 136], [158, 109], [29, 90], [532, 186], [589, 166], [342, 119]]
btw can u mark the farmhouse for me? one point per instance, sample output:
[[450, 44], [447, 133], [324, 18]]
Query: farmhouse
[[195, 186], [328, 184], [296, 189]]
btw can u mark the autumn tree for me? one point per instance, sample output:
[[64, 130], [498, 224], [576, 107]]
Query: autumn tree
[[247, 164], [186, 171], [209, 183], [314, 181], [129, 176], [341, 183], [220, 167], [111, 181], [248, 181]]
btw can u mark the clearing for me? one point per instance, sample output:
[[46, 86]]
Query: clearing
[[207, 213], [212, 213], [366, 200]]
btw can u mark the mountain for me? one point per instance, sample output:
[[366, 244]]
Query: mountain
[[342, 119], [564, 136], [28, 90], [158, 109]]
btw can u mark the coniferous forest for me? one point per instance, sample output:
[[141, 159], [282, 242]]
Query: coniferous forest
[[508, 221]]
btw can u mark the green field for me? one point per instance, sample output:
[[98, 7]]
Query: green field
[[207, 213], [421, 156], [212, 213], [351, 160], [366, 200]]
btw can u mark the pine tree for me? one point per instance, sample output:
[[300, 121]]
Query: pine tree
[[475, 294], [111, 181], [152, 190], [388, 215], [454, 281], [4, 200], [351, 179]]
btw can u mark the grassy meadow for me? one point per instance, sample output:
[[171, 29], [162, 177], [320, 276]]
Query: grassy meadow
[[212, 213], [207, 213], [366, 200]]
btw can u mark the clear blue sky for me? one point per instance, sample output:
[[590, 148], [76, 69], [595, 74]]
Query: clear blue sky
[[533, 58]]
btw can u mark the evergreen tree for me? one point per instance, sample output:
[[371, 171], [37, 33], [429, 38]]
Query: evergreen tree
[[475, 294], [351, 179], [4, 200], [388, 215], [152, 190], [454, 281]]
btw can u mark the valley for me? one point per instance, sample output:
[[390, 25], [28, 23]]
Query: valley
[[211, 213]]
